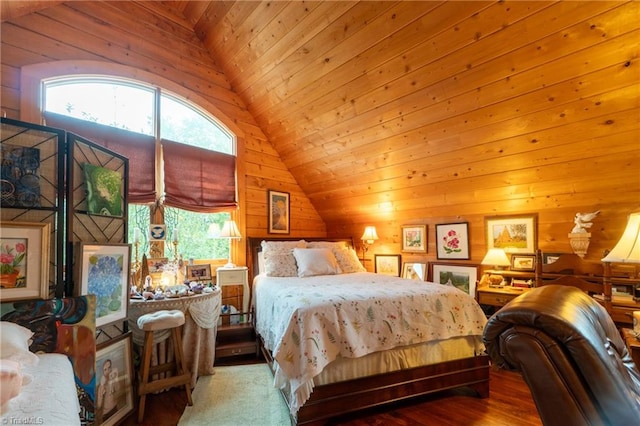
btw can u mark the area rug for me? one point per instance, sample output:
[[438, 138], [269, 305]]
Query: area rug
[[237, 395]]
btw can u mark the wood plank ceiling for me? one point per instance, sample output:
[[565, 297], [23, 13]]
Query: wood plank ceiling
[[410, 111]]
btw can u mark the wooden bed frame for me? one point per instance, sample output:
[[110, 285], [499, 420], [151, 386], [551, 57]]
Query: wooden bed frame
[[335, 399]]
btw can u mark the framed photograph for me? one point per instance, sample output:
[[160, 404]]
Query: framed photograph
[[157, 264], [514, 234], [114, 380], [459, 276], [104, 271], [452, 240], [523, 262], [278, 212], [387, 264], [414, 238], [414, 271], [198, 272], [548, 258], [24, 257]]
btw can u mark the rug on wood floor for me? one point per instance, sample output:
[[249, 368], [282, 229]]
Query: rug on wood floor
[[237, 395]]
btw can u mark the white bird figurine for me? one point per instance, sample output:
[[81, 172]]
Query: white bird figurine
[[583, 221]]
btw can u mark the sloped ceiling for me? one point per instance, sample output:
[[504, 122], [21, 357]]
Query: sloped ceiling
[[423, 107]]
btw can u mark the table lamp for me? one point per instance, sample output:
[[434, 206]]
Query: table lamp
[[231, 232], [497, 258], [628, 248]]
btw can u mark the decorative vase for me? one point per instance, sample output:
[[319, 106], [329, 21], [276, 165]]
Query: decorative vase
[[9, 280], [580, 242]]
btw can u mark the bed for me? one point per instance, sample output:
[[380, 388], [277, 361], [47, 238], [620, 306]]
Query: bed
[[342, 340]]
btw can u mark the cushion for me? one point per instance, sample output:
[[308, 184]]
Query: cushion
[[315, 261], [278, 257], [281, 265], [10, 380], [327, 244], [161, 320], [14, 343], [348, 260]]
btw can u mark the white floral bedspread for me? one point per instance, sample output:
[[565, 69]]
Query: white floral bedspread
[[309, 322]]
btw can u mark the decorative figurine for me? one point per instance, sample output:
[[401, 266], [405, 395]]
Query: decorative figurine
[[583, 221]]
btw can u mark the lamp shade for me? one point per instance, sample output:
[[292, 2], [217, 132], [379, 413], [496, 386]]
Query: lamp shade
[[496, 257], [229, 230], [628, 248], [370, 234]]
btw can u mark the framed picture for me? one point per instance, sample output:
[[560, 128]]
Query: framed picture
[[24, 257], [104, 190], [514, 234], [452, 240], [278, 212], [114, 380], [387, 264], [21, 181], [414, 271], [157, 264], [523, 262], [157, 232], [104, 271], [548, 258], [414, 238], [462, 277], [198, 272]]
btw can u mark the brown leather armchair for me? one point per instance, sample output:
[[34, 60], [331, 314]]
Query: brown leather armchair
[[570, 354]]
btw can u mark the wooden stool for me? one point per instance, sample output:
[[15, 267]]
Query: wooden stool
[[162, 320]]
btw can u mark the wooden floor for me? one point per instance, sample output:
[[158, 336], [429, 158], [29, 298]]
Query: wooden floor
[[510, 404]]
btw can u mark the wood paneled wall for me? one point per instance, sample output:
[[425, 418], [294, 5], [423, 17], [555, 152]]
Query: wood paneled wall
[[390, 113]]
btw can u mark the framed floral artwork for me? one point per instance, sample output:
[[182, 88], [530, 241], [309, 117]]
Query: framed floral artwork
[[514, 234], [24, 257], [463, 277], [452, 240], [414, 238], [114, 380], [104, 272], [387, 264], [278, 212]]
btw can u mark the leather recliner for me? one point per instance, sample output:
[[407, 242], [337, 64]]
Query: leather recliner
[[570, 354]]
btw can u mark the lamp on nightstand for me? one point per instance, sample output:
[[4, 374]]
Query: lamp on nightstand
[[628, 248], [497, 258], [230, 231], [368, 237]]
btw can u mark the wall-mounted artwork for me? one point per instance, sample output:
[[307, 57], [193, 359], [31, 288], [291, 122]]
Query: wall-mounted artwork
[[452, 240], [414, 238], [514, 234], [24, 257], [104, 190], [20, 176], [387, 264], [279, 219], [104, 271]]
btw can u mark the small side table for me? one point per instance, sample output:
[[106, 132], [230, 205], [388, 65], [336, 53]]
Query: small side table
[[633, 345]]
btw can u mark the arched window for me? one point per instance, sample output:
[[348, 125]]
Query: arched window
[[182, 160]]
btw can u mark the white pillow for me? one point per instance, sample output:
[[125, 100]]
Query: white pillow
[[348, 260], [327, 244], [315, 261], [14, 343], [269, 247]]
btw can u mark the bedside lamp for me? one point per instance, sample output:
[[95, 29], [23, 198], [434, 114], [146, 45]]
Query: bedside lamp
[[628, 249], [497, 258], [368, 237], [230, 231]]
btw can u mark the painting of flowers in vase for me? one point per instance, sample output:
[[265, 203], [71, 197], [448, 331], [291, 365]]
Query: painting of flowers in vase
[[13, 253]]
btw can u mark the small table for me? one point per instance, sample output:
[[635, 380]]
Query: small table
[[199, 333], [633, 345]]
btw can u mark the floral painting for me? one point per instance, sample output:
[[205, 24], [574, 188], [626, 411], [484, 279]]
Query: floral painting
[[12, 260], [105, 274], [414, 238], [452, 240]]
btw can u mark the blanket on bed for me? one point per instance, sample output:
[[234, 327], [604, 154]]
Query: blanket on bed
[[309, 322]]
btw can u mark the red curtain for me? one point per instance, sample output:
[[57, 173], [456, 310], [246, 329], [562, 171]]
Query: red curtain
[[197, 179], [138, 148]]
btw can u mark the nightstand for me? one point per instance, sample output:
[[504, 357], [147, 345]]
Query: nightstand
[[633, 345], [492, 298], [236, 335]]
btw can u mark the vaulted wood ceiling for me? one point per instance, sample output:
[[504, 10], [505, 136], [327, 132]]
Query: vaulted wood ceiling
[[435, 109]]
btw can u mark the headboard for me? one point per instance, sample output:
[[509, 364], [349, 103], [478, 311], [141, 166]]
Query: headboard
[[255, 247]]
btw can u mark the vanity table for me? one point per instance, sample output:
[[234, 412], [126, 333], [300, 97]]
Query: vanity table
[[198, 335]]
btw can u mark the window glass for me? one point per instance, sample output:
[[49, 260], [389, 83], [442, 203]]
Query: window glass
[[120, 105]]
